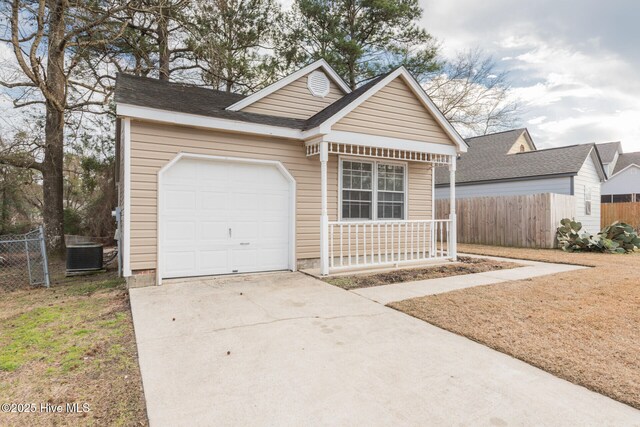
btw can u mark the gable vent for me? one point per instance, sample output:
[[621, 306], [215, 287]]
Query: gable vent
[[318, 84]]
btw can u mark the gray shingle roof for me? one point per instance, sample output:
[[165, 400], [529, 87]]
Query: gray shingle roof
[[487, 160], [153, 93], [608, 151], [627, 159]]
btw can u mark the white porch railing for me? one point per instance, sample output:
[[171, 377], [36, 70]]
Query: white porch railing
[[380, 243]]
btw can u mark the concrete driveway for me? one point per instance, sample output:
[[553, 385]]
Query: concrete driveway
[[286, 349]]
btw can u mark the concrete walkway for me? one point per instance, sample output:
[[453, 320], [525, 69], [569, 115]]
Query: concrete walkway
[[287, 349], [401, 291]]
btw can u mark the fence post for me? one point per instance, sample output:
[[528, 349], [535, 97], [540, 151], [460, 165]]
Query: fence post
[[45, 260], [26, 250]]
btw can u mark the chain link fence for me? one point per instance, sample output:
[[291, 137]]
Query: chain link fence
[[23, 260]]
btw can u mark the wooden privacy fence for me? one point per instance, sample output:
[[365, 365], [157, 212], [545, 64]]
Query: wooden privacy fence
[[624, 212], [520, 221]]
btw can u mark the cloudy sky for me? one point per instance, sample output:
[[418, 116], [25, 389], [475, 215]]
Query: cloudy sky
[[575, 65]]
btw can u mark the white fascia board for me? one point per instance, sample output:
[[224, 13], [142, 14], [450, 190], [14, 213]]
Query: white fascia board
[[595, 158], [420, 94], [391, 143], [157, 115], [290, 79]]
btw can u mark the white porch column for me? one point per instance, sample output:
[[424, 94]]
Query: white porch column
[[324, 215], [453, 242]]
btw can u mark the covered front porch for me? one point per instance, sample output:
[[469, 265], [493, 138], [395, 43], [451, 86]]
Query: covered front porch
[[375, 224]]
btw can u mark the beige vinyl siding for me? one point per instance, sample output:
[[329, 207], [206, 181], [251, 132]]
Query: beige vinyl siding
[[295, 101], [153, 145], [521, 141], [394, 111]]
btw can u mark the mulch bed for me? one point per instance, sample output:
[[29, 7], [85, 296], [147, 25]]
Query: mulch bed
[[583, 326], [466, 265]]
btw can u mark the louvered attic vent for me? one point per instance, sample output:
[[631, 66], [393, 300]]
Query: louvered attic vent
[[318, 84]]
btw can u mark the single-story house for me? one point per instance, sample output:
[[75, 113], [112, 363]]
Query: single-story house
[[509, 163], [623, 170], [303, 173]]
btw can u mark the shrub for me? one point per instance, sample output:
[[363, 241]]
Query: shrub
[[615, 238]]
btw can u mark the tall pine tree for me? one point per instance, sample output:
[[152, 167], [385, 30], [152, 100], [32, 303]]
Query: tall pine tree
[[361, 39], [232, 41]]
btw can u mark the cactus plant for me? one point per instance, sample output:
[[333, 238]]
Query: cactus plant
[[615, 238]]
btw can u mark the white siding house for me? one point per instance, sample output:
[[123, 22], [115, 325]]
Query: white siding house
[[561, 185], [587, 191], [623, 170], [626, 181], [509, 164]]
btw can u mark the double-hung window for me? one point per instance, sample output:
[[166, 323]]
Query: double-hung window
[[357, 190], [373, 190]]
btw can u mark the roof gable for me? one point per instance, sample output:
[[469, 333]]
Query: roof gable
[[524, 143], [394, 111], [296, 100], [608, 151], [625, 160], [290, 79], [412, 92]]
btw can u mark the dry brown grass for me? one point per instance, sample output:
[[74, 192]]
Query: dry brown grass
[[72, 343], [583, 326], [466, 265]]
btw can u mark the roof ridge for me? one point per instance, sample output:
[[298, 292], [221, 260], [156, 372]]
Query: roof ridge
[[496, 133], [153, 80], [557, 148]]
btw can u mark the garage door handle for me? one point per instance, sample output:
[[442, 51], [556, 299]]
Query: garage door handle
[[229, 232], [244, 243]]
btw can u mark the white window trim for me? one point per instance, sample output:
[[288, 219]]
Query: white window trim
[[374, 185], [588, 190]]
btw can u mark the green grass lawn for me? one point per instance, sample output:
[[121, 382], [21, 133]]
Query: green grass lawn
[[72, 343]]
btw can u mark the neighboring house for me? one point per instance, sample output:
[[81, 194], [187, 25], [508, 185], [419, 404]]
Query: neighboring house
[[304, 173], [509, 163], [623, 171]]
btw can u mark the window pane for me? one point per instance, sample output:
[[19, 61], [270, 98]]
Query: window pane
[[390, 191], [622, 198], [356, 204], [356, 190]]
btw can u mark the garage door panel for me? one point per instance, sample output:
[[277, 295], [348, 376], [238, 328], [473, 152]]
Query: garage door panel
[[213, 231], [212, 201], [272, 258], [213, 261], [244, 260], [179, 231], [213, 176], [244, 230], [275, 229], [181, 262], [202, 200], [179, 199]]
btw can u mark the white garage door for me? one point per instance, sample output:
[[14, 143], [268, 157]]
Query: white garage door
[[220, 217]]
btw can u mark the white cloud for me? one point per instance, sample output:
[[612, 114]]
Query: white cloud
[[578, 83]]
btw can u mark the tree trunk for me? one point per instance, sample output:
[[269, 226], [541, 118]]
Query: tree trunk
[[52, 177], [163, 44]]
